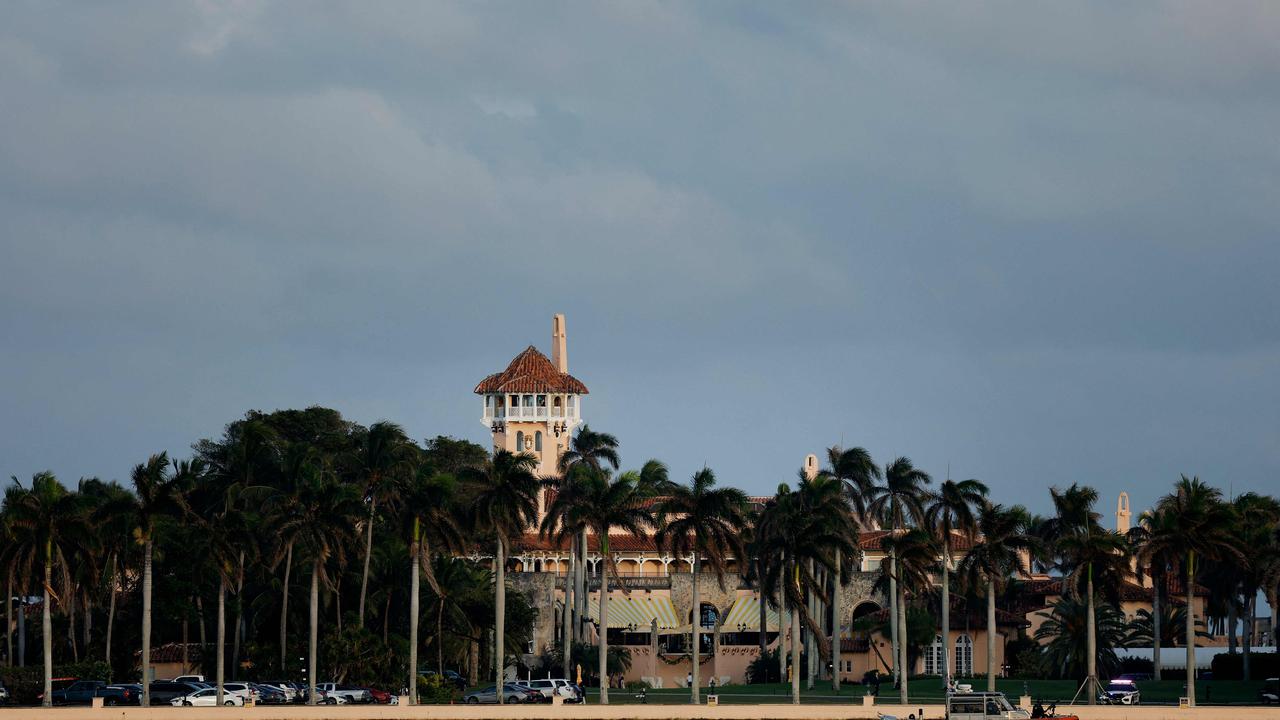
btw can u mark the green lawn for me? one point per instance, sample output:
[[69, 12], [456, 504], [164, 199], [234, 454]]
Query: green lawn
[[929, 691]]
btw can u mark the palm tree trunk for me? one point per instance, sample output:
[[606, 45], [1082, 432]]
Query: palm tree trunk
[[22, 627], [1233, 618], [413, 619], [795, 654], [500, 621], [566, 640], [71, 627], [284, 611], [238, 630], [221, 650], [946, 618], [811, 644], [991, 636], [314, 621], [604, 619], [835, 624], [8, 621], [763, 635], [905, 671], [204, 640], [1191, 628], [696, 629], [784, 624], [88, 621], [581, 591], [893, 615], [1246, 638], [186, 665], [1156, 635], [46, 628], [368, 551], [1091, 643], [111, 614], [147, 547]]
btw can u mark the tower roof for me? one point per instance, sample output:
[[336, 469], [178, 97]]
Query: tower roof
[[531, 372]]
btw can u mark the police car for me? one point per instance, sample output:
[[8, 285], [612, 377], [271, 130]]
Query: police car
[[1120, 692]]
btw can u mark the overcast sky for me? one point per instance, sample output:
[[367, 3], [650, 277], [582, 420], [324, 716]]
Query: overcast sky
[[1036, 242]]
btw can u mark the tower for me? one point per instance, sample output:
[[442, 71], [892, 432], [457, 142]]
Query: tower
[[1123, 516], [534, 405]]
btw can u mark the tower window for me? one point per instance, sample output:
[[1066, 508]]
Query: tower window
[[528, 401], [537, 441]]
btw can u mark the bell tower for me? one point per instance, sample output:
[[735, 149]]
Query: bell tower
[[534, 405], [1123, 516]]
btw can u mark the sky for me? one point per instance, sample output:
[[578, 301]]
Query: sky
[[1029, 243]]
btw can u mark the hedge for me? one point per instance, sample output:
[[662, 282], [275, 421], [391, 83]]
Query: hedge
[[26, 683], [1231, 667]]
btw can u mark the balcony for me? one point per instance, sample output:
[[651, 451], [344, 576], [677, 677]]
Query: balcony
[[529, 414]]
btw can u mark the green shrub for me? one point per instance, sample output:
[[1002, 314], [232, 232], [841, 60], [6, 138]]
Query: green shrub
[[432, 689], [638, 685], [1231, 667]]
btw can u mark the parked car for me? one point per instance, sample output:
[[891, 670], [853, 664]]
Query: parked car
[[245, 690], [1269, 693], [4, 694], [270, 695], [382, 697], [191, 679], [1120, 692], [552, 687], [511, 693], [206, 697], [340, 694], [164, 691], [82, 692], [290, 690], [450, 676]]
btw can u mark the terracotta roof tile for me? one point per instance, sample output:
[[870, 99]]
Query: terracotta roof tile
[[531, 372]]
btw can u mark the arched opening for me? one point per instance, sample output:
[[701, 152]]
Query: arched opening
[[862, 624], [964, 656], [933, 657]]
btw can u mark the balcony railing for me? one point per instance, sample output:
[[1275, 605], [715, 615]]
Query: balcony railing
[[529, 413]]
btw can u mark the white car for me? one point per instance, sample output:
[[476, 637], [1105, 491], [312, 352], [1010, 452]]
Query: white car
[[552, 687], [336, 694], [242, 689], [207, 697], [1120, 692]]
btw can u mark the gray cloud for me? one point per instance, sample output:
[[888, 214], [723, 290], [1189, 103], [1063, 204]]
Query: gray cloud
[[1035, 242]]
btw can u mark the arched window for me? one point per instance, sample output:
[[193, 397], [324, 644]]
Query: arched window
[[519, 441], [537, 441], [933, 657], [964, 656]]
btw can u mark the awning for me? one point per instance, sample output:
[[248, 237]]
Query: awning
[[635, 611], [745, 614]]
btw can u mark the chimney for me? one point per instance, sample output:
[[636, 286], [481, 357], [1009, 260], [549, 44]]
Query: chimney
[[559, 349]]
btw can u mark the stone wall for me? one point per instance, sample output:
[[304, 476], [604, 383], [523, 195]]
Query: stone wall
[[541, 591]]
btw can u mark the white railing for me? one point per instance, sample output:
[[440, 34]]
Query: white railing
[[529, 413]]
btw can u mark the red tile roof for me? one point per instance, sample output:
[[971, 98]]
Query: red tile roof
[[1174, 591], [531, 372], [872, 540]]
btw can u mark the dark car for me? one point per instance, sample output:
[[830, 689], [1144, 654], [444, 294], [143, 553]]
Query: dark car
[[270, 695], [1269, 693], [163, 691], [82, 692]]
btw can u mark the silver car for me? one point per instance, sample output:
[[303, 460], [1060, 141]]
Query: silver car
[[488, 696]]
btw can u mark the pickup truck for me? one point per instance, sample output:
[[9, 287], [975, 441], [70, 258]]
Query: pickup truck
[[82, 692], [341, 694]]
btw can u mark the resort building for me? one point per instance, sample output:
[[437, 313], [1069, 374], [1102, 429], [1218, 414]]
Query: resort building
[[535, 404]]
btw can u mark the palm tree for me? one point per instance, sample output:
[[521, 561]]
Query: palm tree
[[301, 462], [801, 531], [47, 524], [859, 473], [895, 504], [917, 553], [704, 521], [1143, 627], [1156, 562], [456, 585], [1002, 549], [1087, 554], [602, 504], [951, 512], [504, 502], [321, 529], [157, 493], [1200, 529], [113, 521], [383, 454], [594, 450], [426, 507], [1079, 639], [1253, 535]]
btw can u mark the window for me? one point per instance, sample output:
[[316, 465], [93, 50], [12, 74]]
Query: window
[[515, 401], [933, 657], [964, 656], [542, 401], [528, 401], [537, 441], [519, 441]]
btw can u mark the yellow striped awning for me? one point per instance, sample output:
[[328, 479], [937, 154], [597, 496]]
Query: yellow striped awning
[[635, 611], [746, 613]]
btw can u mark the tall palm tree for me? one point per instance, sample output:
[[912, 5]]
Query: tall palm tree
[[114, 538], [1002, 548], [896, 504], [503, 502], [321, 529], [1152, 525], [602, 505], [703, 521], [801, 531], [47, 523], [157, 493], [383, 454], [300, 463], [951, 512], [594, 450], [1200, 530], [917, 553], [1087, 554], [426, 505], [858, 472], [1254, 521]]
